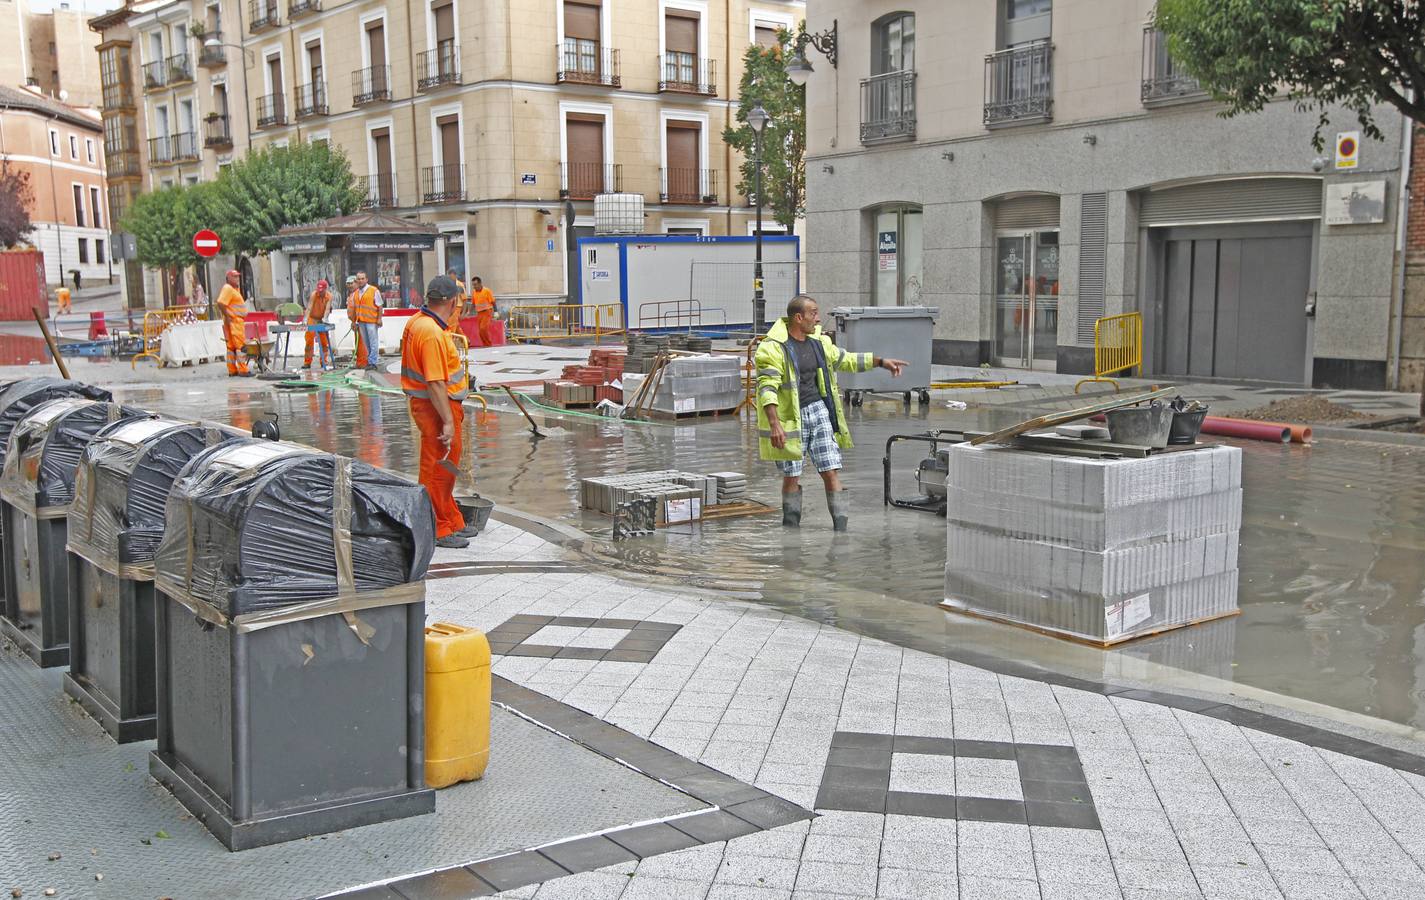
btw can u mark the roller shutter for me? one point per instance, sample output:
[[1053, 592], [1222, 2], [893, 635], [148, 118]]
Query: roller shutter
[[1038, 211], [1236, 200]]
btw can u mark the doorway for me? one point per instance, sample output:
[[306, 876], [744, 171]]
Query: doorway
[[1027, 299]]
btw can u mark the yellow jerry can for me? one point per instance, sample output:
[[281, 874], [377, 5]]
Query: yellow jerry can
[[457, 704]]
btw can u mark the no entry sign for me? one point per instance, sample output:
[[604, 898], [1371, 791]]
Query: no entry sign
[[207, 243]]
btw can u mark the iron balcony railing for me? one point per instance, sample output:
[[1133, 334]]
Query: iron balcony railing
[[217, 132], [1163, 80], [443, 184], [311, 99], [155, 74], [180, 69], [682, 185], [271, 110], [185, 146], [371, 85], [378, 191], [262, 14], [439, 66], [212, 57], [584, 181], [1019, 85], [888, 107], [686, 73], [299, 8], [160, 151], [585, 62]]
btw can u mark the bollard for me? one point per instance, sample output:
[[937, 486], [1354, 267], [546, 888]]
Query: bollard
[[457, 704]]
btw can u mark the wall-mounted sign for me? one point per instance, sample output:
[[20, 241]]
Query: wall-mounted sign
[[527, 178], [1348, 149], [598, 274], [391, 243], [886, 251], [305, 243], [549, 245], [1355, 203]]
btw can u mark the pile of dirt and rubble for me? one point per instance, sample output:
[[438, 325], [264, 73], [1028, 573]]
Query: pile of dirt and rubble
[[1305, 409]]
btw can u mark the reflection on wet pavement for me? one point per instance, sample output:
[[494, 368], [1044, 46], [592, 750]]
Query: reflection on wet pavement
[[1332, 578]]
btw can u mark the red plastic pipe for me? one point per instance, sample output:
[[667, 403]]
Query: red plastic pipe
[[1243, 428]]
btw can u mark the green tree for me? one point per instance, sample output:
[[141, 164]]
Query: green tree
[[278, 186], [16, 197], [784, 140], [1320, 53], [156, 220]]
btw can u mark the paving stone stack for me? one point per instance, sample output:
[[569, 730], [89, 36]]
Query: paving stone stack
[[692, 343], [695, 384], [604, 494], [589, 383], [1100, 550], [642, 348], [731, 486]]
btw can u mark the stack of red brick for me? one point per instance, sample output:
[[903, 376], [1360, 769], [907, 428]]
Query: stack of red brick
[[585, 385]]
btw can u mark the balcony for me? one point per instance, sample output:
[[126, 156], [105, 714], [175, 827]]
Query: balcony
[[443, 184], [371, 85], [184, 146], [155, 74], [888, 108], [311, 99], [160, 151], [1164, 83], [217, 132], [262, 15], [684, 73], [584, 181], [271, 111], [298, 8], [438, 67], [681, 185], [377, 191], [585, 62], [1019, 85], [121, 163], [180, 68], [212, 57]]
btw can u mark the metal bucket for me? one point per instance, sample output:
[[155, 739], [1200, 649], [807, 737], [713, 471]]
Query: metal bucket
[[1145, 426], [476, 510], [1186, 426]]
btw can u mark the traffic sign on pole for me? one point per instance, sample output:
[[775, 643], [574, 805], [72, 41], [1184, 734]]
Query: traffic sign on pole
[[207, 243]]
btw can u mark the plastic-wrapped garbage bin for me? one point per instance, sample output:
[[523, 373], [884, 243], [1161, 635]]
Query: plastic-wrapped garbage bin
[[37, 486], [16, 399], [900, 332], [290, 643], [115, 524]]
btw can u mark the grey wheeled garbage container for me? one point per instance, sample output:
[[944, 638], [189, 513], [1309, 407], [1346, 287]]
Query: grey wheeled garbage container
[[37, 486], [900, 332], [115, 524], [290, 650]]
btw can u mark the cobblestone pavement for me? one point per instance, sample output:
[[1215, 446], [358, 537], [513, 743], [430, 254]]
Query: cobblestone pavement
[[936, 779]]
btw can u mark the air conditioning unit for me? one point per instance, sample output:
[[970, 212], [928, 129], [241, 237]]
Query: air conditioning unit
[[618, 214]]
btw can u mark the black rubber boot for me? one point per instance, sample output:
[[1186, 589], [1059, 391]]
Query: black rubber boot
[[839, 502], [792, 509]]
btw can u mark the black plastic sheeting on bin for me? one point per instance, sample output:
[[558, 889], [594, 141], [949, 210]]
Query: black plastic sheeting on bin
[[19, 397], [252, 527], [121, 488], [45, 447]]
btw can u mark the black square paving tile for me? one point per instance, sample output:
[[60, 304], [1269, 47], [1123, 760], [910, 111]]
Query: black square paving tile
[[1056, 791], [632, 656], [842, 776], [714, 826], [860, 740], [540, 650], [984, 749], [851, 799], [450, 884], [651, 840], [527, 619], [1061, 815], [500, 649], [769, 812], [580, 653], [717, 789], [588, 853], [933, 745], [985, 809], [573, 621], [662, 627], [907, 803], [632, 643], [618, 623], [518, 870], [1050, 770], [847, 757]]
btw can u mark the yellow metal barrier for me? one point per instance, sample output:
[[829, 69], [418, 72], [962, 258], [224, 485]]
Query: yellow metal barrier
[[157, 321], [1117, 347], [562, 322]]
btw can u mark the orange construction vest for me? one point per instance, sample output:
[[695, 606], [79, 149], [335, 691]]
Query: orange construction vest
[[361, 306], [320, 302], [231, 299], [428, 354]]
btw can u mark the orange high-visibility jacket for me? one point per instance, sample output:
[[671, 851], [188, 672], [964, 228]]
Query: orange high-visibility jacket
[[428, 354], [361, 306]]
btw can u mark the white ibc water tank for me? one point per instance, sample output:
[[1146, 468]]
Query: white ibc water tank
[[618, 214]]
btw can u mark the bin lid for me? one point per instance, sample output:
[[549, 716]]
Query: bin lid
[[257, 526], [19, 397], [886, 312], [46, 447]]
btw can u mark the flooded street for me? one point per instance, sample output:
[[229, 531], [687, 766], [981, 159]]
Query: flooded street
[[1332, 570]]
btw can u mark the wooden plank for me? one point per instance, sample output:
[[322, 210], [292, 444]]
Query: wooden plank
[[1050, 420]]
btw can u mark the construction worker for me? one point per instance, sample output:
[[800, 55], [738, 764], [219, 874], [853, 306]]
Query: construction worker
[[433, 379], [364, 308], [61, 300], [318, 305], [454, 325], [233, 309], [483, 302], [799, 406]]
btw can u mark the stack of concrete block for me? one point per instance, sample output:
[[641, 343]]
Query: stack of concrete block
[[731, 486], [1101, 550], [681, 496], [694, 384]]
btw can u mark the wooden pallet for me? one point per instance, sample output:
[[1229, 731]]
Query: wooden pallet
[[1078, 639], [557, 404], [665, 416], [737, 509]]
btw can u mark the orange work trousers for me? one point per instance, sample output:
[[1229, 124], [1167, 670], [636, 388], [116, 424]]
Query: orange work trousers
[[235, 336], [360, 348], [438, 468], [321, 339], [483, 320]]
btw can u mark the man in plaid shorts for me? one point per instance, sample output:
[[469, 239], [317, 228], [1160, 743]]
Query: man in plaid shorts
[[799, 411]]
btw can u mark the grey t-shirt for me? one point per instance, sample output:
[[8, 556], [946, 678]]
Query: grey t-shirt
[[804, 356]]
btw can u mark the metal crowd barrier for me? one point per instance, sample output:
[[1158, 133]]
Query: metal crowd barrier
[[1117, 347]]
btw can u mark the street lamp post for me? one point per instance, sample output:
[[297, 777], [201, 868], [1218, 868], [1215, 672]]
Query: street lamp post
[[757, 118]]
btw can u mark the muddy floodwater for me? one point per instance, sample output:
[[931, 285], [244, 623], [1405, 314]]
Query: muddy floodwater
[[1332, 558]]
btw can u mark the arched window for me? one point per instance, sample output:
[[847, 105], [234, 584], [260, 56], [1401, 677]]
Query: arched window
[[893, 43]]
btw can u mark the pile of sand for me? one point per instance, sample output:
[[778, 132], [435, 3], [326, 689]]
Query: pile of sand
[[1306, 409]]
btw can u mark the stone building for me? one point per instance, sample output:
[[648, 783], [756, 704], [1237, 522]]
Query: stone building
[[1029, 166]]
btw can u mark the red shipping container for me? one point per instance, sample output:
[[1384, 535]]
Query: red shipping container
[[22, 285]]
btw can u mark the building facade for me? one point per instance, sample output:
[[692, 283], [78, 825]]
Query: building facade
[[1029, 166], [54, 51], [482, 117], [61, 148]]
